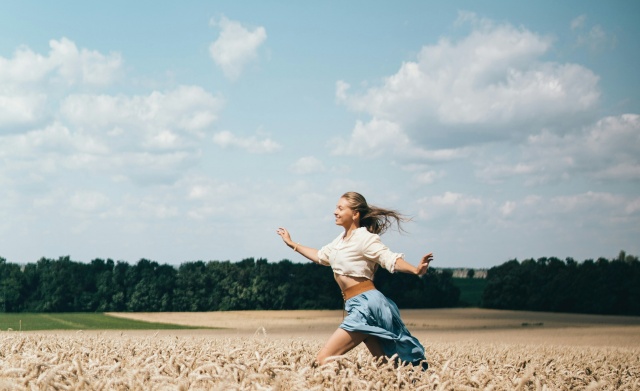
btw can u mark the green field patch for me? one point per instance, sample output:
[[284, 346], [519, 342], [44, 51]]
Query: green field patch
[[471, 290], [77, 321]]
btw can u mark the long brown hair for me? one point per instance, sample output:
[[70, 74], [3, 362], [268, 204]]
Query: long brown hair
[[376, 220]]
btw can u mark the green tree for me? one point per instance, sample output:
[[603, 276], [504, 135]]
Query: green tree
[[12, 287]]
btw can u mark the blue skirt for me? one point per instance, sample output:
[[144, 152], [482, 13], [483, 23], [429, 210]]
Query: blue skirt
[[374, 314]]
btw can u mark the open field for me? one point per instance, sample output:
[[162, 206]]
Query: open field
[[457, 324], [264, 350], [76, 321]]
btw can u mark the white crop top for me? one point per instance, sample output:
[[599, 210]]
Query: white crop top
[[359, 255]]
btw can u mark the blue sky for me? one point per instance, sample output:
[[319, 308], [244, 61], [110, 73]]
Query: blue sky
[[192, 130]]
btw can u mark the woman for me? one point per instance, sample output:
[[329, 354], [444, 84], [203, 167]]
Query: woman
[[354, 257]]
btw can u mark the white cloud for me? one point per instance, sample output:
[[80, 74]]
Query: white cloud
[[606, 150], [20, 109], [372, 138], [458, 204], [423, 174], [490, 85], [307, 165], [508, 208], [155, 208], [29, 81], [226, 139], [578, 22], [236, 46], [89, 201], [51, 135], [145, 138], [189, 109], [589, 209], [53, 139], [427, 177], [65, 63], [83, 66], [595, 38]]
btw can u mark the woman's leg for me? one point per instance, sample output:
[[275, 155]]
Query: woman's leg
[[373, 344], [343, 341]]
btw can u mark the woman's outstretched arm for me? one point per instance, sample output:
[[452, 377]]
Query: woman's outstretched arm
[[405, 267], [307, 252]]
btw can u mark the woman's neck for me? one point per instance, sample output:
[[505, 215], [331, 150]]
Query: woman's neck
[[348, 231]]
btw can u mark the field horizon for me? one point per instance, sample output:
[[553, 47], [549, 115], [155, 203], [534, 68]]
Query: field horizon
[[450, 324]]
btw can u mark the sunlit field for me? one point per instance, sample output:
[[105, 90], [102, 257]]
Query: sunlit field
[[466, 349]]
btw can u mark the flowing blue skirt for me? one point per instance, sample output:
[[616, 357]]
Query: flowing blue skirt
[[374, 314]]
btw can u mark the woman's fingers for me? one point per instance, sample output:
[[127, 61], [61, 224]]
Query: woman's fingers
[[284, 234], [424, 264]]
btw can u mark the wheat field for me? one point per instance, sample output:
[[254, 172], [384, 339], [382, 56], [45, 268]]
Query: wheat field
[[599, 353]]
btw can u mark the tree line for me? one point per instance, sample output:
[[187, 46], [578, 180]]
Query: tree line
[[64, 285], [602, 286]]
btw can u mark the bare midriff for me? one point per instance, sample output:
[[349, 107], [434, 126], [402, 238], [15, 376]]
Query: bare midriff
[[345, 282]]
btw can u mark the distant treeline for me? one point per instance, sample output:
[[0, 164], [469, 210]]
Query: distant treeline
[[550, 284], [64, 285]]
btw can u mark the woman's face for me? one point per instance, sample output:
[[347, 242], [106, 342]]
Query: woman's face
[[345, 216]]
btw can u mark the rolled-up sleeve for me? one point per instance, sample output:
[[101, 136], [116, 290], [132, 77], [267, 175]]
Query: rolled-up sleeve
[[374, 250]]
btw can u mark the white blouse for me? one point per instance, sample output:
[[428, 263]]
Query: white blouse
[[358, 255]]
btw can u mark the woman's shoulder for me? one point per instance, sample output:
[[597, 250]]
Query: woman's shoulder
[[363, 234]]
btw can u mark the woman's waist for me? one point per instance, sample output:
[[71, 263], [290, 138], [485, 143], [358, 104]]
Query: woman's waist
[[346, 281], [355, 287]]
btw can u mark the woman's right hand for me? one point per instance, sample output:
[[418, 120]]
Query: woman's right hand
[[424, 264], [284, 234]]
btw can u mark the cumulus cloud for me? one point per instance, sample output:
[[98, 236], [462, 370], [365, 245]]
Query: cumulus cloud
[[307, 165], [449, 202], [64, 63], [160, 120], [578, 22], [371, 138], [606, 150], [492, 84], [594, 38], [73, 153], [83, 66], [145, 138], [236, 46], [28, 80], [587, 209], [88, 201], [19, 109], [253, 144], [589, 212], [423, 174]]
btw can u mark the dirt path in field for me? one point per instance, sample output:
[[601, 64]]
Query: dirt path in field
[[458, 324]]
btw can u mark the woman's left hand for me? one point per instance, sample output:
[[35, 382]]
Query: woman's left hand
[[286, 237], [424, 264]]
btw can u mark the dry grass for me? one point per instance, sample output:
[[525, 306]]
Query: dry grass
[[502, 358], [109, 362]]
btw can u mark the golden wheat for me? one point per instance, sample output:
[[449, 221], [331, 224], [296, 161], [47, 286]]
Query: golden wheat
[[101, 361]]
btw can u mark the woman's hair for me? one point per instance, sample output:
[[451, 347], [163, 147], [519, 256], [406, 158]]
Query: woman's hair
[[375, 220]]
